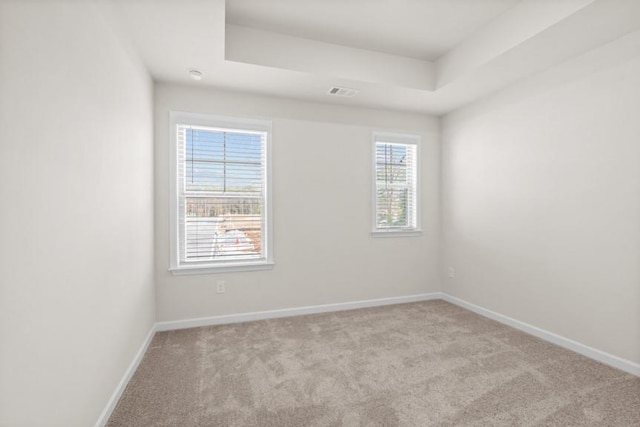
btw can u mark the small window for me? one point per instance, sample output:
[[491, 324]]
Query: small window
[[396, 190], [220, 203]]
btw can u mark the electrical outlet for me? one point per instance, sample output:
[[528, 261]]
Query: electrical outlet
[[452, 272], [221, 287]]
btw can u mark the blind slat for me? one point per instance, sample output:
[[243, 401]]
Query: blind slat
[[216, 169], [396, 186]]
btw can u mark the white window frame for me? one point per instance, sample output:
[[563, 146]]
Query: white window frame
[[184, 118], [396, 138]]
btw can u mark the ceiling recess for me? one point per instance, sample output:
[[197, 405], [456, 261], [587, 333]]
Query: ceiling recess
[[342, 91]]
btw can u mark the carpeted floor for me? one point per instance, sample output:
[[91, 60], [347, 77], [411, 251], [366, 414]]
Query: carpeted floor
[[418, 364]]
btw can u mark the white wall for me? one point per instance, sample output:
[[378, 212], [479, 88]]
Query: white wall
[[541, 208], [76, 222], [322, 210]]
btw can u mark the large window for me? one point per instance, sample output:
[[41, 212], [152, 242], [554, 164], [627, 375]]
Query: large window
[[220, 203], [396, 178]]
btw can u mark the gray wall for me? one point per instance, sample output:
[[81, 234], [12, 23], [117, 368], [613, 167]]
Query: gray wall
[[541, 208], [322, 171], [76, 224]]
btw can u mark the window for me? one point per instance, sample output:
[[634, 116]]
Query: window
[[396, 178], [220, 203]]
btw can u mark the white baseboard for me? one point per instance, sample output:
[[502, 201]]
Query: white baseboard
[[113, 401], [590, 352], [288, 312]]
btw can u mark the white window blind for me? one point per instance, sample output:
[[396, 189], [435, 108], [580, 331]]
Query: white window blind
[[222, 199], [396, 183]]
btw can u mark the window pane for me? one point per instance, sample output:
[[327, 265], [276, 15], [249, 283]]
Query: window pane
[[204, 176], [219, 227], [392, 207], [222, 161]]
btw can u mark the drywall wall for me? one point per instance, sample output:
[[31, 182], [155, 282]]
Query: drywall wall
[[322, 173], [76, 224], [541, 208]]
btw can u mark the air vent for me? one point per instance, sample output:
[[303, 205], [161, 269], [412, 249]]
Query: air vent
[[342, 91]]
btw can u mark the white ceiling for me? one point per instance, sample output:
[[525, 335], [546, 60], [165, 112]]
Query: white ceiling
[[422, 29], [299, 49]]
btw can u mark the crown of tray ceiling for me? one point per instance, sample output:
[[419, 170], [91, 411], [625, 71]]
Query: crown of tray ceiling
[[430, 56]]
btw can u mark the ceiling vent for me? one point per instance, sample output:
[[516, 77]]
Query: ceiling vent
[[342, 91]]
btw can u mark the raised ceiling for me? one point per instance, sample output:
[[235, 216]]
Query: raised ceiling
[[421, 29], [430, 56]]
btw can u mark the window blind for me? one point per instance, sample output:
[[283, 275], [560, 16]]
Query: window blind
[[395, 185], [221, 194]]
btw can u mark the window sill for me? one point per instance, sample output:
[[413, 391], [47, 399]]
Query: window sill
[[396, 233], [227, 268]]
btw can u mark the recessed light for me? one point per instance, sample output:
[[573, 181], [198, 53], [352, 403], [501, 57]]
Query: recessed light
[[195, 74]]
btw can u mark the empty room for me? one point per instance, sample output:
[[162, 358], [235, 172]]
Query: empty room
[[291, 213]]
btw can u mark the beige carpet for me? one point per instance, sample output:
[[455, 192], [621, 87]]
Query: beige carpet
[[419, 364]]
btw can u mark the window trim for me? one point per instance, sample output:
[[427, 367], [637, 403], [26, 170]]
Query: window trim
[[198, 119], [400, 138]]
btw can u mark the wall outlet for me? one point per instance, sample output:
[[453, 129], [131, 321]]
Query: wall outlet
[[452, 272], [221, 287]]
